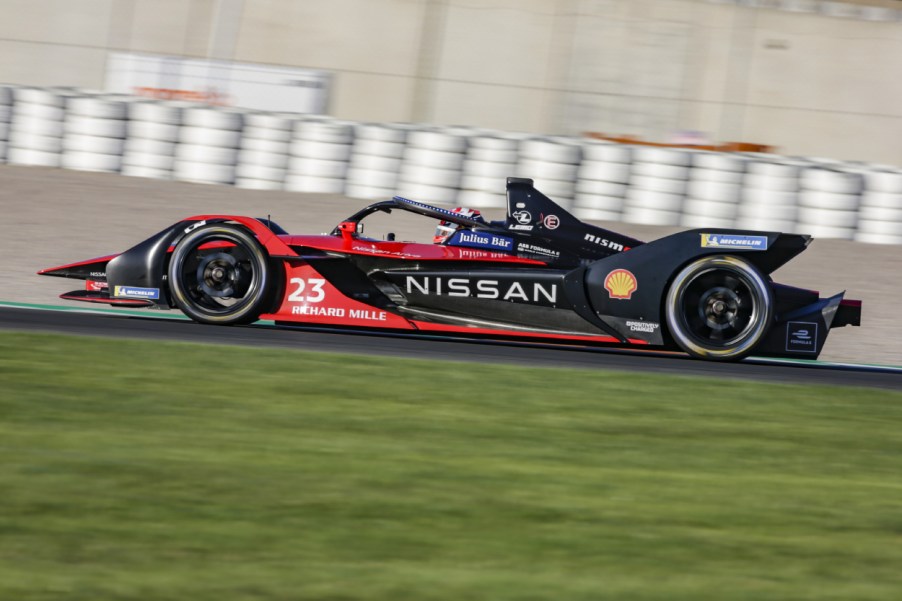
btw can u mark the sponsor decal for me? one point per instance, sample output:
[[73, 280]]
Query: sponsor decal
[[194, 226], [734, 241], [620, 284], [537, 250], [366, 314], [528, 292], [317, 310], [135, 292], [478, 254], [551, 222], [361, 314], [522, 217], [481, 240], [97, 274], [440, 210], [801, 336], [636, 328], [92, 286], [309, 292], [643, 326], [604, 242], [306, 290], [211, 96], [373, 249], [522, 228]]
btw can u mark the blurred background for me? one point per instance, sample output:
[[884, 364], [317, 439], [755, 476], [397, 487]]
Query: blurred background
[[807, 77]]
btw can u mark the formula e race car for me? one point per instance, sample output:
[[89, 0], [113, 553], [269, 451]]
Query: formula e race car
[[540, 275]]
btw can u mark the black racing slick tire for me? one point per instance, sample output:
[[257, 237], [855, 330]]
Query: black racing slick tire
[[220, 274], [719, 308]]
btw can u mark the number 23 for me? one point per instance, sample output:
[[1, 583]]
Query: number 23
[[314, 295]]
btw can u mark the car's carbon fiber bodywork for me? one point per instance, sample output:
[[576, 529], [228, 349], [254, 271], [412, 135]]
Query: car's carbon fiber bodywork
[[541, 274]]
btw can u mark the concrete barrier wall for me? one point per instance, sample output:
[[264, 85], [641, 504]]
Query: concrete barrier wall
[[808, 82]]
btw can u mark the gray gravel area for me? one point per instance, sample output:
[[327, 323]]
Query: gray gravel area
[[53, 216]]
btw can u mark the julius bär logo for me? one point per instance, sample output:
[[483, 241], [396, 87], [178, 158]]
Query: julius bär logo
[[620, 284]]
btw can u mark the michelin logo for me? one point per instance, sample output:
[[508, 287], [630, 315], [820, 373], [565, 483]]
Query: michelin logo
[[734, 241], [135, 292]]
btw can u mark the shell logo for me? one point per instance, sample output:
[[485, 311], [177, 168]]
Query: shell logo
[[620, 284]]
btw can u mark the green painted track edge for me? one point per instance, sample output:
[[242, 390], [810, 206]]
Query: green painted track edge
[[148, 313]]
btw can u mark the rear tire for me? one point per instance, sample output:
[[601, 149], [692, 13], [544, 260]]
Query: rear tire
[[226, 283], [719, 308]]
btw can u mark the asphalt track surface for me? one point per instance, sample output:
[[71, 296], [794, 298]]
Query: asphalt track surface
[[150, 328]]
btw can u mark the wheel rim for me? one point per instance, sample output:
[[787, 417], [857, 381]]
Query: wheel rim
[[219, 275], [720, 307]]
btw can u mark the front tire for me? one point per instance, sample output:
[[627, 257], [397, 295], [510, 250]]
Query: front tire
[[219, 274], [719, 307]]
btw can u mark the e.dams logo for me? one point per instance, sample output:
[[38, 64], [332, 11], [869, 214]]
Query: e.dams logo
[[620, 284]]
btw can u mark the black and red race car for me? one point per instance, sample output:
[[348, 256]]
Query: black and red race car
[[539, 275]]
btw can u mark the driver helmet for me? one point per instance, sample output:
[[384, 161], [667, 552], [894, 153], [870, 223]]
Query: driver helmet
[[446, 229]]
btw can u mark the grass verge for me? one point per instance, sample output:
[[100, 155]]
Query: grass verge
[[148, 470]]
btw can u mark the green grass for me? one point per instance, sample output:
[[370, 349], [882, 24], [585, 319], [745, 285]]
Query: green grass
[[147, 470]]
